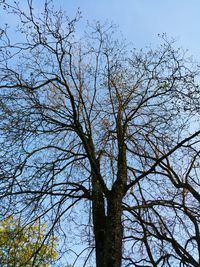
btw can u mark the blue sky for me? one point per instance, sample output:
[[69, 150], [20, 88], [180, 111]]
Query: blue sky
[[140, 21]]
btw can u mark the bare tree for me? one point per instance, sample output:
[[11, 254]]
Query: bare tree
[[100, 142]]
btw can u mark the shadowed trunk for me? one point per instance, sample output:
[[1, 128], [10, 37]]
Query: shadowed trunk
[[99, 222], [114, 231], [108, 231]]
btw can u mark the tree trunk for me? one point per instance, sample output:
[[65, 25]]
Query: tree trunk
[[99, 222], [108, 231], [114, 232]]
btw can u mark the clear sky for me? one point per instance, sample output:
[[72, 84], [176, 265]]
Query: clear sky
[[141, 21]]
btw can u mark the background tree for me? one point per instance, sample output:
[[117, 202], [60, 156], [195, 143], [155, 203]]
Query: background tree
[[23, 246], [99, 141]]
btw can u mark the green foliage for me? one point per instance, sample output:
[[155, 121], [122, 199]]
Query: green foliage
[[23, 246]]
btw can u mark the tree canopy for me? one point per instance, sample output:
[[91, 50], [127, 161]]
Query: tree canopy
[[22, 246], [100, 140]]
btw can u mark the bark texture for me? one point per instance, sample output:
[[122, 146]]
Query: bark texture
[[108, 230]]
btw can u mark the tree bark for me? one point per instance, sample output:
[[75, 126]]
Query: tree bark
[[108, 230], [114, 231], [99, 222]]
